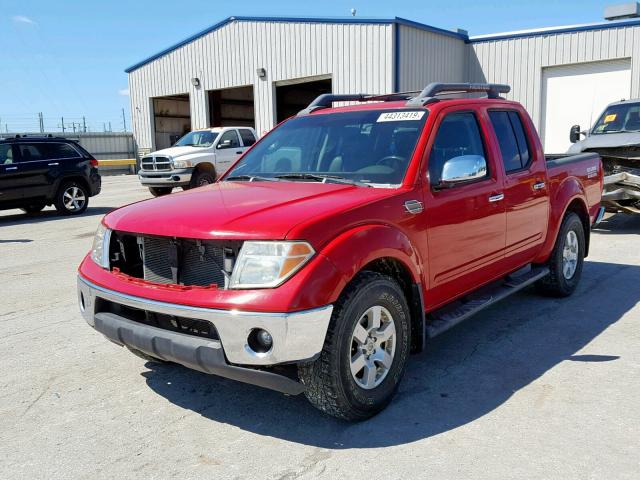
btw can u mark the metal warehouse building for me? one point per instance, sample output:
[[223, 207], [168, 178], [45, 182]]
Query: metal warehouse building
[[258, 71]]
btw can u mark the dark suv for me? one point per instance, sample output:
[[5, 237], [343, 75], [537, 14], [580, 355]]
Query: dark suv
[[40, 171]]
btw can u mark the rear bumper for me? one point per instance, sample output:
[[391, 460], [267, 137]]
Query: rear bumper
[[297, 336], [168, 178]]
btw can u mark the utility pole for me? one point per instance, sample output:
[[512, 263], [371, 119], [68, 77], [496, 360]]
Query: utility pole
[[62, 124], [110, 127], [104, 127], [41, 121], [124, 121], [84, 124]]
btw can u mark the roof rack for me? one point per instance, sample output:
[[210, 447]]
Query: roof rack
[[33, 136], [326, 99], [493, 90], [424, 97]]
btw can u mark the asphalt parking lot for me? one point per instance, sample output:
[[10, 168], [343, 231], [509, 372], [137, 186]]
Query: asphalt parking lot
[[530, 388]]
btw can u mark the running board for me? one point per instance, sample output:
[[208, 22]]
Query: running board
[[443, 319]]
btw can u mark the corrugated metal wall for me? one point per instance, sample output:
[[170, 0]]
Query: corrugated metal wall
[[426, 57], [519, 61], [357, 56]]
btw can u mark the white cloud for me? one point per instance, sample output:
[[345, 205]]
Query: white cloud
[[23, 19], [124, 92]]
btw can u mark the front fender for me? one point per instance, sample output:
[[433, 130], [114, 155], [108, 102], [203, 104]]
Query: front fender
[[351, 251]]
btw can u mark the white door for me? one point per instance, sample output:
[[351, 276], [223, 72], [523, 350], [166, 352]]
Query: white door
[[577, 94], [228, 150]]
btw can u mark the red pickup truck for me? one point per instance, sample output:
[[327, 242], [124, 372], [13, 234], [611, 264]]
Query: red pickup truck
[[342, 241]]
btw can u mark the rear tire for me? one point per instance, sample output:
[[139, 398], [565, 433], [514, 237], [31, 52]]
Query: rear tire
[[160, 191], [567, 258], [201, 178], [33, 209], [361, 365], [72, 198]]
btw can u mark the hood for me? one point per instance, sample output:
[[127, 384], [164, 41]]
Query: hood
[[606, 140], [244, 210], [176, 152]]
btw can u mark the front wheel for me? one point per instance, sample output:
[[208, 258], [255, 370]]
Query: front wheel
[[201, 178], [33, 209], [365, 351], [565, 263], [160, 191]]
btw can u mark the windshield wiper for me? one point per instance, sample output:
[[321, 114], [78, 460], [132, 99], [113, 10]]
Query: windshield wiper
[[250, 178], [322, 178]]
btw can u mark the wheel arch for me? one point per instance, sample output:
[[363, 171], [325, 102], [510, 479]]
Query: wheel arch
[[69, 178], [388, 251]]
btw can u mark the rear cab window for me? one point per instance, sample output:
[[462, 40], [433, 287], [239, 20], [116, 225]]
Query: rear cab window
[[512, 139], [247, 136]]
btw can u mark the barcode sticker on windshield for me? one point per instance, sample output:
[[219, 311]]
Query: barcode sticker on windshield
[[400, 116]]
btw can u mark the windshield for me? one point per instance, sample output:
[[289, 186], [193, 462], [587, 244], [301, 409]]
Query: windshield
[[368, 146], [197, 139], [624, 117]]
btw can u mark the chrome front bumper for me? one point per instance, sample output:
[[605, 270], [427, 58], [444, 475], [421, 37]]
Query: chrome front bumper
[[165, 178], [297, 336]]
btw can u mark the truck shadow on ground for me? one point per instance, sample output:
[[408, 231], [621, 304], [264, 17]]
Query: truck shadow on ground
[[464, 374], [619, 224], [49, 215]]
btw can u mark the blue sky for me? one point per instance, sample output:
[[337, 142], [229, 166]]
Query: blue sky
[[66, 58]]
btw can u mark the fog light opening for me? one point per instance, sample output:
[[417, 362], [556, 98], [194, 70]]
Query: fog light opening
[[260, 341]]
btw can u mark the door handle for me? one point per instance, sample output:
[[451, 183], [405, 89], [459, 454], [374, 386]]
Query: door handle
[[238, 153], [11, 168], [497, 197], [538, 185], [53, 163]]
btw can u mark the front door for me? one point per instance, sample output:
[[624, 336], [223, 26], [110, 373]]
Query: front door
[[34, 168], [228, 150], [465, 223]]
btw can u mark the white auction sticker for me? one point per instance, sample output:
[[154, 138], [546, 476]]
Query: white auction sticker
[[400, 116]]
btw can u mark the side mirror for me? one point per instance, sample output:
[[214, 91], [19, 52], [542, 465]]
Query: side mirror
[[224, 144], [574, 134], [462, 169]]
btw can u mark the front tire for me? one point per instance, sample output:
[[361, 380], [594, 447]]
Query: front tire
[[72, 198], [160, 191], [33, 209], [567, 258], [365, 351], [201, 178]]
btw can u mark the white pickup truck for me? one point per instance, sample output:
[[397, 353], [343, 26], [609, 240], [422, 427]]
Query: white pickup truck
[[197, 159]]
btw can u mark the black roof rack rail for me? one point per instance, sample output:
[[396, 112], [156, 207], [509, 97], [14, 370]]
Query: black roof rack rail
[[34, 136], [493, 90], [326, 99]]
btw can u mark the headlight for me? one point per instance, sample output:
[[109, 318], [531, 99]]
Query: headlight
[[100, 249], [268, 264], [182, 163]]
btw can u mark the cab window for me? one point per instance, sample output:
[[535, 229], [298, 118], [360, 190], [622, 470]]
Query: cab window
[[6, 154], [511, 139], [458, 135], [229, 139]]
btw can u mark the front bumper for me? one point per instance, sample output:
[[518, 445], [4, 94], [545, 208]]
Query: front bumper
[[297, 336], [621, 186], [165, 178]]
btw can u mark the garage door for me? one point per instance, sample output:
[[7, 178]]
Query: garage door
[[577, 94]]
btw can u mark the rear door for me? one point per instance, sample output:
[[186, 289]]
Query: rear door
[[247, 137], [526, 196], [465, 223], [10, 182], [33, 169], [228, 149]]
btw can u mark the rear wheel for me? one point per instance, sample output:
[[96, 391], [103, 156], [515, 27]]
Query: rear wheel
[[33, 209], [365, 351], [72, 198], [565, 263], [160, 191]]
